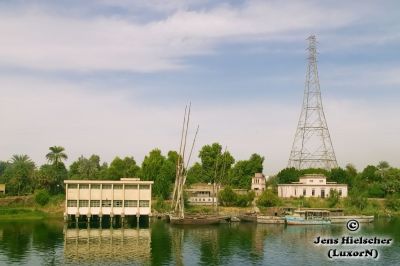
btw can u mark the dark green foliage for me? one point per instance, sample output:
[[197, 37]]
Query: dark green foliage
[[314, 171], [160, 205], [268, 199], [375, 190], [56, 155], [19, 175], [288, 175], [227, 197], [161, 170], [333, 198], [357, 199], [85, 168], [42, 197], [122, 168], [51, 177], [393, 203], [215, 164], [370, 173], [245, 200], [195, 174], [243, 171], [338, 175]]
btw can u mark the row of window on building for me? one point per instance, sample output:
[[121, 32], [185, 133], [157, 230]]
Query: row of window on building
[[107, 186], [107, 203], [313, 192], [203, 199]]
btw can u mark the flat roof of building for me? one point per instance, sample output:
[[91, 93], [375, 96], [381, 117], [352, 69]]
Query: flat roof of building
[[313, 175], [313, 185], [121, 181]]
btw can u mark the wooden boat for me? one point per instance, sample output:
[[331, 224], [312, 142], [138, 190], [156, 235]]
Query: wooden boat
[[345, 219], [264, 219], [248, 217], [308, 217], [195, 219]]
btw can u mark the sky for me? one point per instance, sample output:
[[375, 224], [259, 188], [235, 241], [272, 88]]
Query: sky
[[112, 77]]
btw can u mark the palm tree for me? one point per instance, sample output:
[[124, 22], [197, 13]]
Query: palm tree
[[22, 168], [56, 155]]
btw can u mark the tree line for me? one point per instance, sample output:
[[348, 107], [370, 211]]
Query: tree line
[[22, 176], [373, 181]]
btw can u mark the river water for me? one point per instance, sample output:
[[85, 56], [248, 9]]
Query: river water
[[159, 243]]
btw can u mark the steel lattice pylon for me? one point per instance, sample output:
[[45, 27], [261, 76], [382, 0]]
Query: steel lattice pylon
[[312, 146]]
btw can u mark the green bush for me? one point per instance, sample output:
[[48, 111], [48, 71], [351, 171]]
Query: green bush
[[245, 200], [358, 201], [268, 199], [375, 190], [333, 199], [393, 203], [42, 197], [227, 197], [160, 205]]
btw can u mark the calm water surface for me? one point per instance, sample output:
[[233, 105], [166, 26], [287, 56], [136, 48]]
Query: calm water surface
[[53, 243]]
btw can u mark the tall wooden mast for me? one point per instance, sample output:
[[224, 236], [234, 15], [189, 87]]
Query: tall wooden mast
[[182, 166]]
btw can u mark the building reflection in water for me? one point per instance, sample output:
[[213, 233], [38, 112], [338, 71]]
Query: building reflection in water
[[163, 243], [229, 243], [103, 246]]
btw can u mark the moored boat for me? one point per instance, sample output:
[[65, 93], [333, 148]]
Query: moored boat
[[307, 217], [345, 219], [248, 217], [263, 219], [195, 219]]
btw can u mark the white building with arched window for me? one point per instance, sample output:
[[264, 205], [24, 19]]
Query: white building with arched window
[[258, 183], [311, 185]]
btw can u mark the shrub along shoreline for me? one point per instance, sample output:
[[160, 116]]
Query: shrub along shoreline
[[25, 207]]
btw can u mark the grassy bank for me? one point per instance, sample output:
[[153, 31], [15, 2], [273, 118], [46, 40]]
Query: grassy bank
[[25, 208], [371, 206]]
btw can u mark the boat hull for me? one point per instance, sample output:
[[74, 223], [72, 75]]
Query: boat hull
[[291, 220], [345, 219], [248, 218], [270, 219], [195, 220]]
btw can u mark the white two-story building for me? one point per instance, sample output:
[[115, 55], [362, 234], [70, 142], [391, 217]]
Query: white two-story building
[[125, 197], [311, 185]]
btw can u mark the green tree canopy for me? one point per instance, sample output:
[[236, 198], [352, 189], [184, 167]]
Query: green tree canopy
[[370, 173], [56, 155], [288, 175], [161, 170], [19, 175], [50, 177], [242, 172], [121, 168], [215, 164], [195, 174], [86, 168]]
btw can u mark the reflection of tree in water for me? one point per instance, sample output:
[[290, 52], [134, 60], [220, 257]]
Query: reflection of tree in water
[[386, 227], [16, 240], [46, 237], [219, 244], [160, 243], [177, 237]]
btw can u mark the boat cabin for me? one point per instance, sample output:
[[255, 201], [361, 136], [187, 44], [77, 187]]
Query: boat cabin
[[312, 214]]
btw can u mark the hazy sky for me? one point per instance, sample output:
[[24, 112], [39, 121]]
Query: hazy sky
[[112, 77]]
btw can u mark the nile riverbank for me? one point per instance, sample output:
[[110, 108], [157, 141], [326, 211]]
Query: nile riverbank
[[25, 208]]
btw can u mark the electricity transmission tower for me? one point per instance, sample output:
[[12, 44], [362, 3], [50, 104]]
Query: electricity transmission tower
[[312, 146]]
